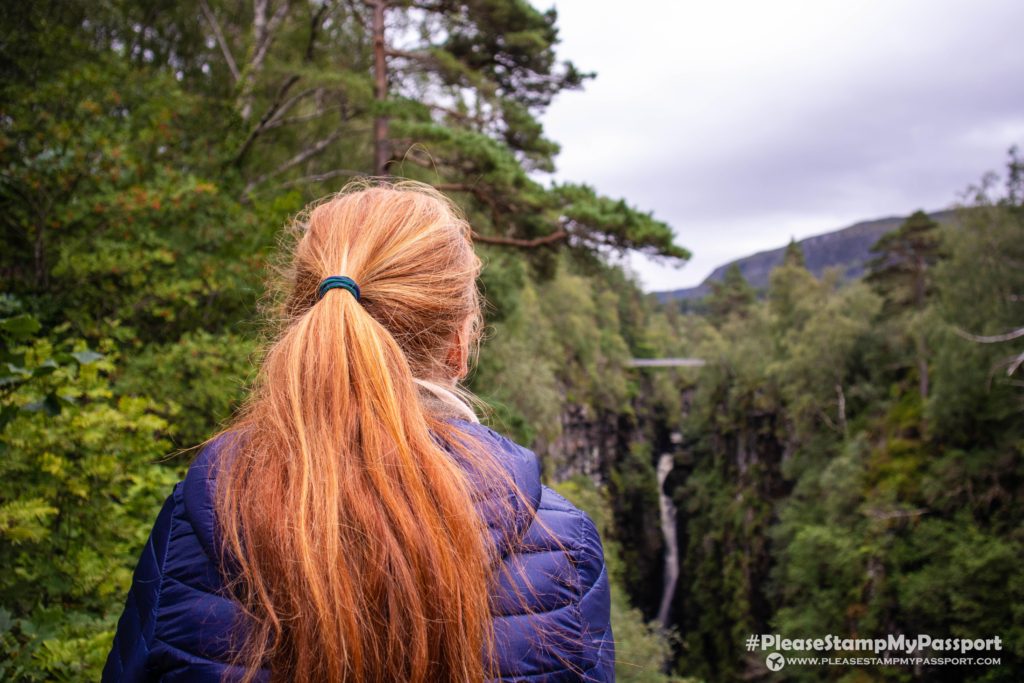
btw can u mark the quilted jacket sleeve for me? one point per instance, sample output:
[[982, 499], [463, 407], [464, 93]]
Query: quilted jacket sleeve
[[552, 613], [177, 624], [128, 658], [595, 606]]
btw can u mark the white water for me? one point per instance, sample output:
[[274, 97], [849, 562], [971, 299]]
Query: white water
[[668, 531]]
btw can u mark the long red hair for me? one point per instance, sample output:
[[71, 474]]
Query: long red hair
[[353, 543]]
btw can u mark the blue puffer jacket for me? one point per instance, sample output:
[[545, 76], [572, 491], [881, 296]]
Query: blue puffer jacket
[[177, 620]]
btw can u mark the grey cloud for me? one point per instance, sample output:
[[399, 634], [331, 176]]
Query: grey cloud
[[916, 107]]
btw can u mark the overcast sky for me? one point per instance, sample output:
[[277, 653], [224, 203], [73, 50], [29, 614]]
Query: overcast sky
[[743, 124]]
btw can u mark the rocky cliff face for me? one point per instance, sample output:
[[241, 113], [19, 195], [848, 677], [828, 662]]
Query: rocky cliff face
[[589, 445], [631, 458]]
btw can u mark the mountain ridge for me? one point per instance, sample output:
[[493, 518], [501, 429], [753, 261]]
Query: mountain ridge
[[849, 248]]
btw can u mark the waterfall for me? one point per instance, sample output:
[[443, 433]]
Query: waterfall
[[668, 530]]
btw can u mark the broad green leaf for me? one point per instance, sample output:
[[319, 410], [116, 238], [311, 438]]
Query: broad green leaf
[[20, 326], [86, 357]]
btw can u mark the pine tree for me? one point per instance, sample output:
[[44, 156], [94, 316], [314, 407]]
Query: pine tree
[[901, 269], [732, 296], [902, 274], [443, 92], [794, 255]]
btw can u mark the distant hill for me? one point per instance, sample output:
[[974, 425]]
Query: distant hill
[[848, 248]]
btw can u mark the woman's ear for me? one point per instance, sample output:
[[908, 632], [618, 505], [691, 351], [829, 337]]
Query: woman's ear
[[458, 353]]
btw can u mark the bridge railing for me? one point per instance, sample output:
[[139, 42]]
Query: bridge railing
[[667, 362]]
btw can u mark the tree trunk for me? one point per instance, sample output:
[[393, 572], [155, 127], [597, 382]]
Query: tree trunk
[[920, 291], [39, 253], [841, 407], [380, 124], [922, 366]]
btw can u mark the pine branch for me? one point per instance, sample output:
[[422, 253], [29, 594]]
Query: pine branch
[[559, 235], [555, 237]]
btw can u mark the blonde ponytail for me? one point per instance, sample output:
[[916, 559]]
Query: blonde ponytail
[[353, 543]]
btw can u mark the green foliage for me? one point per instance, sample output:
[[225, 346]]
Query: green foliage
[[112, 223], [79, 485], [827, 488], [634, 490], [564, 342], [975, 398], [517, 375], [198, 381]]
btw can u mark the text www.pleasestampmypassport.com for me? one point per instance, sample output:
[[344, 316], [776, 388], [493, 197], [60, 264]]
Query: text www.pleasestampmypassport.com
[[887, 651]]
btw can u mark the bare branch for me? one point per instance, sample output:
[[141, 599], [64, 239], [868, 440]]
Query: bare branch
[[295, 99], [278, 122], [276, 107], [315, 24], [299, 158], [320, 177], [418, 56], [1014, 363], [264, 29], [992, 339], [828, 421], [211, 19], [263, 45], [1012, 368], [356, 14], [461, 116], [273, 116], [879, 514]]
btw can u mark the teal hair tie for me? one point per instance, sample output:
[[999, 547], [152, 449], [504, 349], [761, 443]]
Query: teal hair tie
[[337, 282]]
